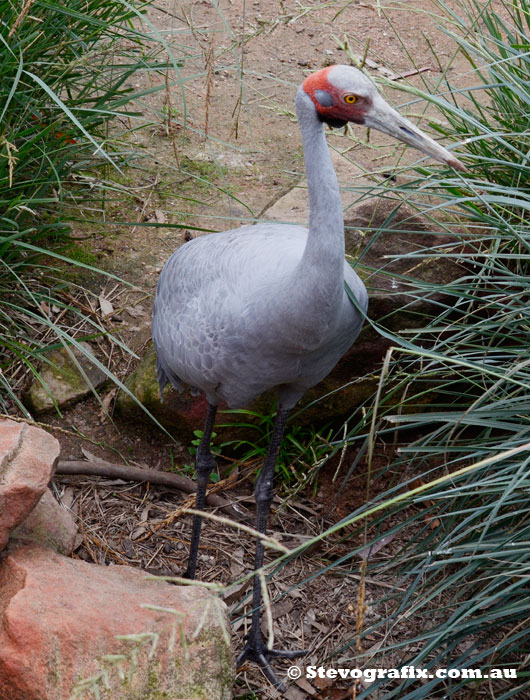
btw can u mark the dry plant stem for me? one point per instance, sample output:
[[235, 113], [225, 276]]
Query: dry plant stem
[[117, 471], [21, 17], [209, 65], [267, 539], [170, 130], [361, 607]]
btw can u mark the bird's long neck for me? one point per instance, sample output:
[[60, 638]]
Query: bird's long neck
[[320, 271], [325, 244]]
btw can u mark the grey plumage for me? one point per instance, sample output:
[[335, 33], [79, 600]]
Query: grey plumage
[[225, 320], [243, 311]]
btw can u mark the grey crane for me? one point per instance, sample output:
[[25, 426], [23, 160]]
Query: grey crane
[[263, 306]]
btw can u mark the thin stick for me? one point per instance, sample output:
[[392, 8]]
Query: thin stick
[[117, 471]]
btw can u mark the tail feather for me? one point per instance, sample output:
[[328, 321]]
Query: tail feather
[[165, 376]]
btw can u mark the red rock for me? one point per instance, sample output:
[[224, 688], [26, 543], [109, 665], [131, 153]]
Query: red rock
[[60, 616], [27, 461], [50, 525]]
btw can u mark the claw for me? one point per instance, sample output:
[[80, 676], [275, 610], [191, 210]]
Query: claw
[[259, 653]]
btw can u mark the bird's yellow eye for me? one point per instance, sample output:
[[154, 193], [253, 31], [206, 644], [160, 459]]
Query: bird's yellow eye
[[350, 99]]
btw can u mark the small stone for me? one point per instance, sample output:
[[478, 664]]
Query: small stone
[[65, 383]]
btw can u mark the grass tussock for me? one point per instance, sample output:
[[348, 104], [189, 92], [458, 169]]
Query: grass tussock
[[464, 565], [65, 75]]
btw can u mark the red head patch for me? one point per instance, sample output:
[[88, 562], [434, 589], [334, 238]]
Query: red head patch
[[334, 105], [317, 81]]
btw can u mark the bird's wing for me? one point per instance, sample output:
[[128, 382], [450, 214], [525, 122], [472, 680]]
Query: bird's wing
[[203, 315], [216, 303]]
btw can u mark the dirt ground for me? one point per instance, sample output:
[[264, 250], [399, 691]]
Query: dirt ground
[[242, 62]]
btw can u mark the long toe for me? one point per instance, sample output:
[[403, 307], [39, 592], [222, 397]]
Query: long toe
[[286, 653], [260, 655]]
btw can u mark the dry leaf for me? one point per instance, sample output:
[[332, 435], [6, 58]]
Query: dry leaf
[[237, 566], [309, 618], [305, 685], [294, 693], [135, 311], [433, 523], [158, 217], [67, 497], [372, 549], [284, 607], [89, 456], [105, 403], [105, 306], [127, 547], [235, 593], [145, 514], [138, 532]]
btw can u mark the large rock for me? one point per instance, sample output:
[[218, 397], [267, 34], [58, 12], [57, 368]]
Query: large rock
[[50, 525], [27, 461], [375, 231], [64, 383], [59, 619], [376, 227]]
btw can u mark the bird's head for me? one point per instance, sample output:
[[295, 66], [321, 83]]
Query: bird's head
[[344, 94]]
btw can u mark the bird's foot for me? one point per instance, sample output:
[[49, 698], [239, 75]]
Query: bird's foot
[[255, 650]]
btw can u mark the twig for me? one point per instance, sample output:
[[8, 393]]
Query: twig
[[408, 73], [117, 471]]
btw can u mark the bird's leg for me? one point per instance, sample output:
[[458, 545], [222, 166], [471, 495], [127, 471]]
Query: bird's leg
[[204, 465], [255, 649]]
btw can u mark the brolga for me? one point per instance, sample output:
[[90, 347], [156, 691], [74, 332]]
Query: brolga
[[239, 312]]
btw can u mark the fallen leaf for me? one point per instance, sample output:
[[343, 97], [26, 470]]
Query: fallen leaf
[[105, 403], [105, 306], [158, 217], [89, 456], [135, 311], [433, 523], [235, 593], [138, 532], [127, 547], [145, 514], [67, 497], [306, 686], [237, 566], [372, 549], [294, 693], [282, 608]]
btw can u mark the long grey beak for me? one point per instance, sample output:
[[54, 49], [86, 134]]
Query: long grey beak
[[385, 118]]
